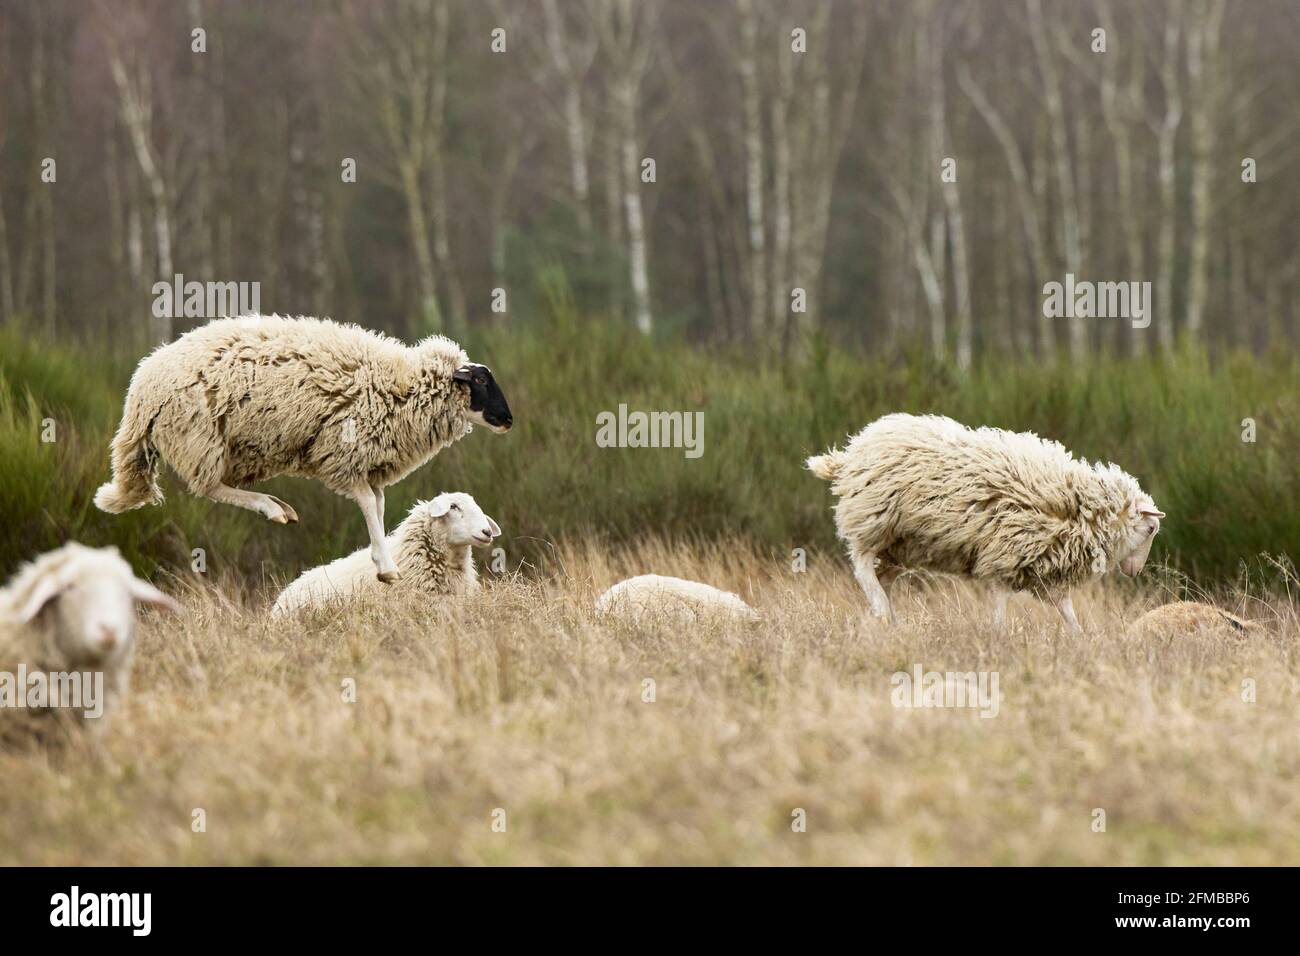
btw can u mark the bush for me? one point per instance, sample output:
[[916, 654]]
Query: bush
[[1175, 423]]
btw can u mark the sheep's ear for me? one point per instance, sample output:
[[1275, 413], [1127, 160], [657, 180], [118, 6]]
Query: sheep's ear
[[1152, 513], [47, 589], [146, 593], [496, 528], [439, 508], [461, 374]]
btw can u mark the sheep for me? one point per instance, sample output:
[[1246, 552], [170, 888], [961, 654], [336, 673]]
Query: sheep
[[1189, 617], [432, 546], [653, 598], [1008, 508], [73, 610], [242, 400]]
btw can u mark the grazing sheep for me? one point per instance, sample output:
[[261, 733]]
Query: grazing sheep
[[1189, 617], [242, 400], [73, 610], [433, 553], [1005, 507], [653, 598]]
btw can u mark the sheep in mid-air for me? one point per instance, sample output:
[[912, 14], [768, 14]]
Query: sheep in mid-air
[[1191, 617], [242, 400], [1009, 508], [654, 598], [432, 546], [73, 610]]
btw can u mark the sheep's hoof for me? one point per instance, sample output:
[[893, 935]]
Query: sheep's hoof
[[279, 519], [388, 577], [290, 516]]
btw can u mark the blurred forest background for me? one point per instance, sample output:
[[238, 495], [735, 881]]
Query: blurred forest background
[[1170, 158], [774, 170]]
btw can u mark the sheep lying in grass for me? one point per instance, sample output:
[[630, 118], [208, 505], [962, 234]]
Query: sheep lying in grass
[[1190, 617], [242, 400], [432, 546], [72, 610], [1008, 508], [653, 598]]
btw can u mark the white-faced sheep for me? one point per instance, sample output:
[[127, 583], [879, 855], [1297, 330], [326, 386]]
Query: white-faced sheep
[[1008, 508], [242, 400], [653, 598], [72, 610], [1191, 617], [432, 546]]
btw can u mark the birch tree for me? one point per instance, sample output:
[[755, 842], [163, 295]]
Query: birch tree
[[134, 83], [399, 73], [1204, 76], [627, 36]]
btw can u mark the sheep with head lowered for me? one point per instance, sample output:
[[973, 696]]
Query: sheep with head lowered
[[1008, 508], [433, 551], [72, 611], [242, 400], [677, 602]]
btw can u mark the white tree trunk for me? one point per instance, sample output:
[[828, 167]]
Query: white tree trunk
[[1069, 212], [575, 123], [1203, 73], [636, 241], [1167, 133], [136, 115], [752, 111]]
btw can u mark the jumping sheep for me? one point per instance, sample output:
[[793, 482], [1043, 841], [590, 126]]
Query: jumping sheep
[[432, 546], [242, 400], [676, 601], [73, 610], [1190, 617], [1009, 508]]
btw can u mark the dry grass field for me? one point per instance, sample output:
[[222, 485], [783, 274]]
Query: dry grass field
[[522, 701]]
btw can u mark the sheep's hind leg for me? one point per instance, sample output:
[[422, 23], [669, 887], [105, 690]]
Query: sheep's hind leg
[[288, 511], [271, 508], [887, 575], [1066, 607], [864, 569], [1000, 597], [369, 503]]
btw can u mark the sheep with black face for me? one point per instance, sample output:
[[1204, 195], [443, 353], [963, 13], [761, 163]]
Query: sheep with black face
[[487, 405], [242, 400]]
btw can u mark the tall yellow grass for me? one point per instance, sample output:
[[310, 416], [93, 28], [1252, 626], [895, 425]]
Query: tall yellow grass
[[522, 701]]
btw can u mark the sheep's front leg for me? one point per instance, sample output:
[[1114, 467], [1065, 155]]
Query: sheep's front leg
[[1066, 607], [1000, 597], [864, 569], [370, 509]]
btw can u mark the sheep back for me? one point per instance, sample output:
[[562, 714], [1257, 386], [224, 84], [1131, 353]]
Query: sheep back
[[655, 598], [1182, 618]]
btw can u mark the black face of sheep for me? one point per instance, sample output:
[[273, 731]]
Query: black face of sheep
[[487, 404]]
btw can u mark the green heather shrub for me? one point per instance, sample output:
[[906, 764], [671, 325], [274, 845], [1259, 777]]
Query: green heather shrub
[[1175, 423]]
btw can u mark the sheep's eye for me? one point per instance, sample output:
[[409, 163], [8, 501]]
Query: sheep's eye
[[480, 379], [455, 507]]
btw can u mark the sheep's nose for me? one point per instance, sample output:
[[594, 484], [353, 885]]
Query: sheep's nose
[[487, 533], [107, 638]]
